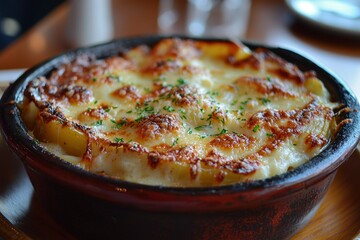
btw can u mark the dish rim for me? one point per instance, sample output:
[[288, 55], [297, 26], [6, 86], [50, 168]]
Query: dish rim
[[331, 157]]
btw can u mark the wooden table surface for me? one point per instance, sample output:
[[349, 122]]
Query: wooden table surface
[[271, 22]]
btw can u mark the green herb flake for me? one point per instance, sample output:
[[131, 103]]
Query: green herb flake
[[198, 128], [269, 134], [149, 109], [222, 121], [268, 78], [264, 100], [181, 81], [94, 79], [256, 128], [223, 131], [175, 142], [115, 77], [118, 140], [139, 119], [189, 131], [169, 108], [120, 123], [99, 122]]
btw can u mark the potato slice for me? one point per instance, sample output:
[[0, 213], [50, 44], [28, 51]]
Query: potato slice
[[71, 140]]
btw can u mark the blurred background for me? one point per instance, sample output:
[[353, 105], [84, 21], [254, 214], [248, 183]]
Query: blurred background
[[17, 16]]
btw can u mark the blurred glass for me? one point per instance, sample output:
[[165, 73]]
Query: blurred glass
[[89, 22], [222, 18]]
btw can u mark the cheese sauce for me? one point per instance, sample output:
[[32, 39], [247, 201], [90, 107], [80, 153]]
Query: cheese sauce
[[183, 113]]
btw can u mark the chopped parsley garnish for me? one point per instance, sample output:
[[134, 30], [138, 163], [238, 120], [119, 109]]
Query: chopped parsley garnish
[[268, 78], [175, 142], [223, 131], [120, 123], [117, 140], [139, 119], [222, 121], [115, 77], [269, 134], [149, 108], [189, 131], [169, 108], [183, 117], [264, 100], [142, 112], [256, 128], [183, 111], [181, 81], [198, 128], [99, 122], [94, 79]]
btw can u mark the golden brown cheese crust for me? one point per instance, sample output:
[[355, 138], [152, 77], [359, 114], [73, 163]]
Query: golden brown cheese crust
[[214, 108]]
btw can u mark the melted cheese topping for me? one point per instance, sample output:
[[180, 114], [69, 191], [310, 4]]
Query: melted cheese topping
[[182, 113]]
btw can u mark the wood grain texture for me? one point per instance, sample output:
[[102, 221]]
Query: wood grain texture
[[339, 215]]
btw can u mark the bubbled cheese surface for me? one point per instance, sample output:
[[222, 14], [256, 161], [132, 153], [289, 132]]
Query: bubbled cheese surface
[[182, 113]]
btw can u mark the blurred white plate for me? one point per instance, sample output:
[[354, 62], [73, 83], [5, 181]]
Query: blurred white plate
[[10, 75], [7, 76], [339, 15]]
